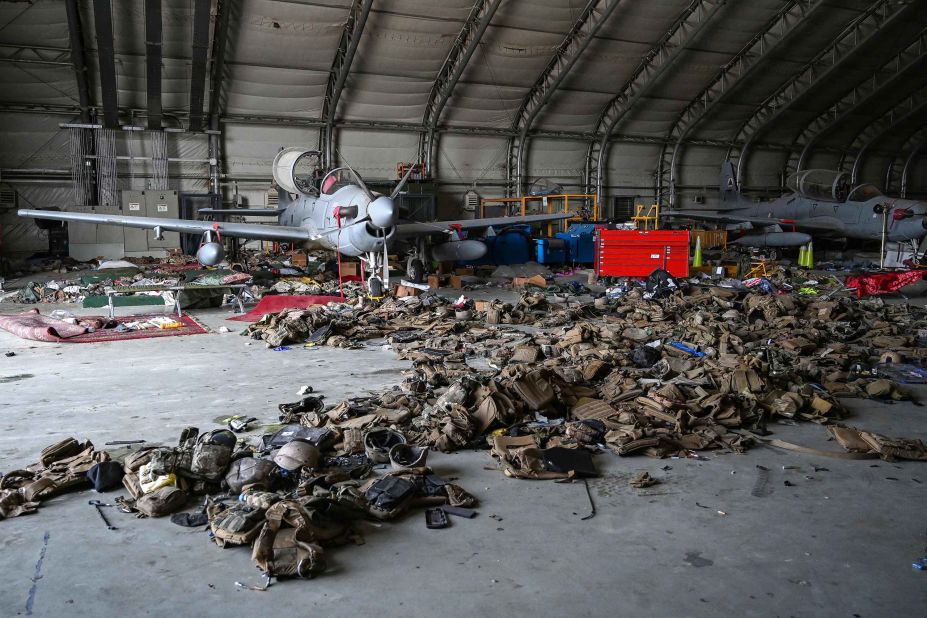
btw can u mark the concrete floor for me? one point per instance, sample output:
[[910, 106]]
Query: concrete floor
[[839, 543]]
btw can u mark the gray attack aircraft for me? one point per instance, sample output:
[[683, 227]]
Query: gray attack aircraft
[[821, 203], [336, 212]]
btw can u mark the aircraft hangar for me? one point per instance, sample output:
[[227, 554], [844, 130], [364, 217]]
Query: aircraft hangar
[[463, 306]]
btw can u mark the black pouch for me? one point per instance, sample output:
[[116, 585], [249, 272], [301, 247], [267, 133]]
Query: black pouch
[[577, 461], [389, 496], [645, 356], [320, 437]]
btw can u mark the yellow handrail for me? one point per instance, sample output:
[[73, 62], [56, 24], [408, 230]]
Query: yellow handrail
[[649, 220], [519, 206]]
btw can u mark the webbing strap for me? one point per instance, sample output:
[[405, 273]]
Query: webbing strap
[[797, 448]]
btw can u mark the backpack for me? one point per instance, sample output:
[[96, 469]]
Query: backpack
[[211, 455], [237, 525], [285, 546], [161, 502], [249, 471], [286, 553]]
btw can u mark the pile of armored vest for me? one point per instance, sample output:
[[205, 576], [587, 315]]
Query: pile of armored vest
[[283, 498], [693, 369]]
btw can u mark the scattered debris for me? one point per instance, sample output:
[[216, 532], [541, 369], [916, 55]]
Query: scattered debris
[[642, 480]]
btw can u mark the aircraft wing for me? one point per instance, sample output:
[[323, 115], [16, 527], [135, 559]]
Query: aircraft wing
[[438, 227], [718, 217], [243, 212], [239, 230]]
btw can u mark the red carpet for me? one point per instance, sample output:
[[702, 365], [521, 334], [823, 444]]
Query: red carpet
[[190, 327], [32, 325], [883, 283], [277, 303]]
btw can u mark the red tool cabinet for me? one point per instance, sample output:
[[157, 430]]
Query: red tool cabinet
[[637, 253]]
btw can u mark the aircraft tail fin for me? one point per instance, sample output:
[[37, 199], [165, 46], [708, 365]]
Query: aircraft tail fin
[[730, 191]]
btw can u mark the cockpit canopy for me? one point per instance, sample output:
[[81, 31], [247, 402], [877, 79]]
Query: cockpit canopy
[[829, 186], [825, 185], [864, 193]]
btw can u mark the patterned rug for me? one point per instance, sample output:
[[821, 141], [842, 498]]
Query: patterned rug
[[190, 327]]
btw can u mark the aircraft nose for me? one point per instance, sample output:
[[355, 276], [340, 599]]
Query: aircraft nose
[[382, 212]]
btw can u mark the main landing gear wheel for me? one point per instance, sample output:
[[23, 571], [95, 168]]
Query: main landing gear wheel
[[415, 269], [375, 287]]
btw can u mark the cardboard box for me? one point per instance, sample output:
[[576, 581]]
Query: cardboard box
[[299, 258], [481, 305], [456, 282], [538, 280], [434, 282], [465, 271], [402, 291], [350, 268]]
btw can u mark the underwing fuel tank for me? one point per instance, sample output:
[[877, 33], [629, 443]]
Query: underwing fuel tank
[[460, 250], [774, 240], [210, 253]]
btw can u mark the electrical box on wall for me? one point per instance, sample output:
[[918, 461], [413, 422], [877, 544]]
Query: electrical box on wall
[[150, 203], [88, 240]]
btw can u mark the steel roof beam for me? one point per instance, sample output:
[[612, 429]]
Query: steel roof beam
[[857, 98], [200, 55], [217, 76], [913, 146], [861, 31], [344, 57], [916, 150], [890, 171], [103, 20], [361, 125], [79, 58], [31, 54], [457, 60], [584, 30], [655, 64], [153, 62], [901, 113], [777, 31]]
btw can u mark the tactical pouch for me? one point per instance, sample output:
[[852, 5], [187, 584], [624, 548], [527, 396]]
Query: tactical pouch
[[389, 497], [60, 450], [133, 486], [238, 525], [495, 408], [139, 458], [535, 389], [162, 502]]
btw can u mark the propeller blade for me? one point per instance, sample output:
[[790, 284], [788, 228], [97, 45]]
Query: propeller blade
[[385, 265], [402, 183], [360, 182]]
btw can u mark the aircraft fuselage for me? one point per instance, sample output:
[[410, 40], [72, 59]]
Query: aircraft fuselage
[[849, 219]]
